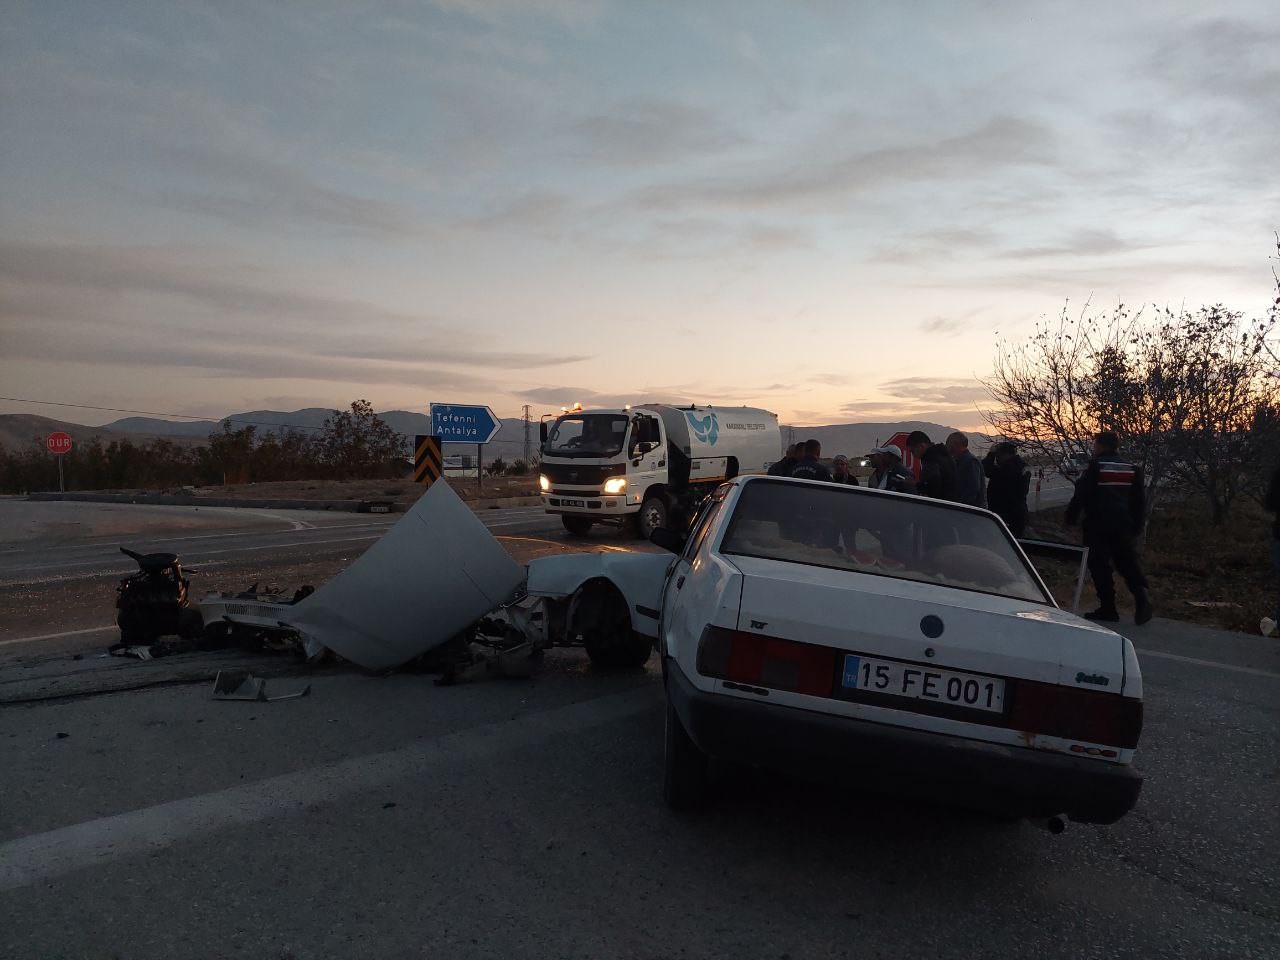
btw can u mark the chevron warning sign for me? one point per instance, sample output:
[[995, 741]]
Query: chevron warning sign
[[428, 462]]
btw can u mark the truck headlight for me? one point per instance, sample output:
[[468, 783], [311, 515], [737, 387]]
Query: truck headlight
[[615, 485], [544, 483]]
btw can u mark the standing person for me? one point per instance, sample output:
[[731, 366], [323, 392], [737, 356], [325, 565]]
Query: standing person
[[889, 473], [840, 471], [971, 482], [1273, 504], [1111, 496], [783, 467], [1008, 482], [937, 468], [810, 466]]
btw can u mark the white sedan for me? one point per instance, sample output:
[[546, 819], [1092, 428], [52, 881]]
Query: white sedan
[[901, 643]]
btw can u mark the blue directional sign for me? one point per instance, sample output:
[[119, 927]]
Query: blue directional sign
[[459, 423]]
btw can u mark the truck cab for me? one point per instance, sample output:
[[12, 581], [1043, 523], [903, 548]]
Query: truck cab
[[599, 466], [647, 466]]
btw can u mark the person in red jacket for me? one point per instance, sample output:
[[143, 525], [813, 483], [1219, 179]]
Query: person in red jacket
[[1112, 497]]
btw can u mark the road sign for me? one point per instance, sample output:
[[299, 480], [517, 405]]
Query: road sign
[[456, 423], [58, 443], [428, 464]]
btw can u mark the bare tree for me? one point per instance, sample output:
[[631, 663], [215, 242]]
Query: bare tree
[[1188, 392]]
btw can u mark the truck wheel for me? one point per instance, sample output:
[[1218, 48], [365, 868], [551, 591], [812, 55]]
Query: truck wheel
[[603, 621], [652, 516], [684, 779], [577, 526]]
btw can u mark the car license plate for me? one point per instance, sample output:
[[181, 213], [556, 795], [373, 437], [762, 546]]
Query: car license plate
[[922, 683], [573, 503]]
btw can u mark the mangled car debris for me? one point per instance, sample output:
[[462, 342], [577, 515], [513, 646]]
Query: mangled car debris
[[427, 580]]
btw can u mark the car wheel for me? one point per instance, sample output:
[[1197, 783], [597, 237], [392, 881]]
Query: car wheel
[[577, 526], [602, 620], [652, 516], [684, 780]]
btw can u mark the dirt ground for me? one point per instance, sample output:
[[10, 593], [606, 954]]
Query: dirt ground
[[1187, 561]]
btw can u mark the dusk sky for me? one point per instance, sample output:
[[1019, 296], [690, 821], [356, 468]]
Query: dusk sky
[[827, 209]]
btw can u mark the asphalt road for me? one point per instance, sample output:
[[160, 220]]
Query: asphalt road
[[388, 817]]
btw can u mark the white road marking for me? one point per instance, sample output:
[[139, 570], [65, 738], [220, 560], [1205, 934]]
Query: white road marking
[[1252, 671], [42, 856], [297, 524], [55, 636]]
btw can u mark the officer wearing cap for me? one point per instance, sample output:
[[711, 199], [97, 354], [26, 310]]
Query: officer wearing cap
[[890, 474]]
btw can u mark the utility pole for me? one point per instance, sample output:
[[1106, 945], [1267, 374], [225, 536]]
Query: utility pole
[[528, 434]]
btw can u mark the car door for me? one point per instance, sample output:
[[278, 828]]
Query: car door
[[648, 467], [675, 596]]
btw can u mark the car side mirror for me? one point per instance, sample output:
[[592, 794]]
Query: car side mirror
[[542, 432], [668, 539]]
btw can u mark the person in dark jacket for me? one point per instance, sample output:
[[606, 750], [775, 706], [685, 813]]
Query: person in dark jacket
[[811, 467], [889, 473], [783, 467], [937, 469], [1112, 498], [1008, 481], [971, 482], [840, 471], [1273, 504]]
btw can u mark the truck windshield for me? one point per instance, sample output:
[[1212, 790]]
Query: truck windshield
[[864, 531], [587, 435]]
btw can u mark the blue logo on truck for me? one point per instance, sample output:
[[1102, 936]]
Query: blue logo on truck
[[706, 429]]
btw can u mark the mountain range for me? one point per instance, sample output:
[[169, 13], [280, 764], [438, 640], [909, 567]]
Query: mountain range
[[18, 430]]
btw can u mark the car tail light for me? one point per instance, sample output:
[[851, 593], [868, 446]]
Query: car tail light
[[760, 661], [1072, 714]]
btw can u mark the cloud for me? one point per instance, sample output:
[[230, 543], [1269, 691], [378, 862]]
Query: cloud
[[565, 12], [1082, 243], [944, 243], [203, 300], [994, 145], [936, 390], [644, 131], [943, 326], [528, 210], [1226, 59], [252, 192], [203, 155]]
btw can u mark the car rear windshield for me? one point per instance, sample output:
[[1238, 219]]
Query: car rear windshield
[[866, 531]]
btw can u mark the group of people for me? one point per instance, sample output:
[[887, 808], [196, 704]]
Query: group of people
[[947, 471], [1109, 498]]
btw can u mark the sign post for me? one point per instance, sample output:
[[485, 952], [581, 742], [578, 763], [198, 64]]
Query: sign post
[[465, 423], [58, 444]]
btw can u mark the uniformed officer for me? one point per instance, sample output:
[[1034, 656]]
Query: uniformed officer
[[1111, 496]]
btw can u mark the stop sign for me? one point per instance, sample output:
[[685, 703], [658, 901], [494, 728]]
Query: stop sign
[[58, 442]]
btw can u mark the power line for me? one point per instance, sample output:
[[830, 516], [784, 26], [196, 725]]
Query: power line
[[171, 416]]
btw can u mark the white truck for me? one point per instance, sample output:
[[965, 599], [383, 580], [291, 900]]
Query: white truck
[[648, 466]]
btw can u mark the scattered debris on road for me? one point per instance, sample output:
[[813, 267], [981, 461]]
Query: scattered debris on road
[[243, 685], [152, 602]]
